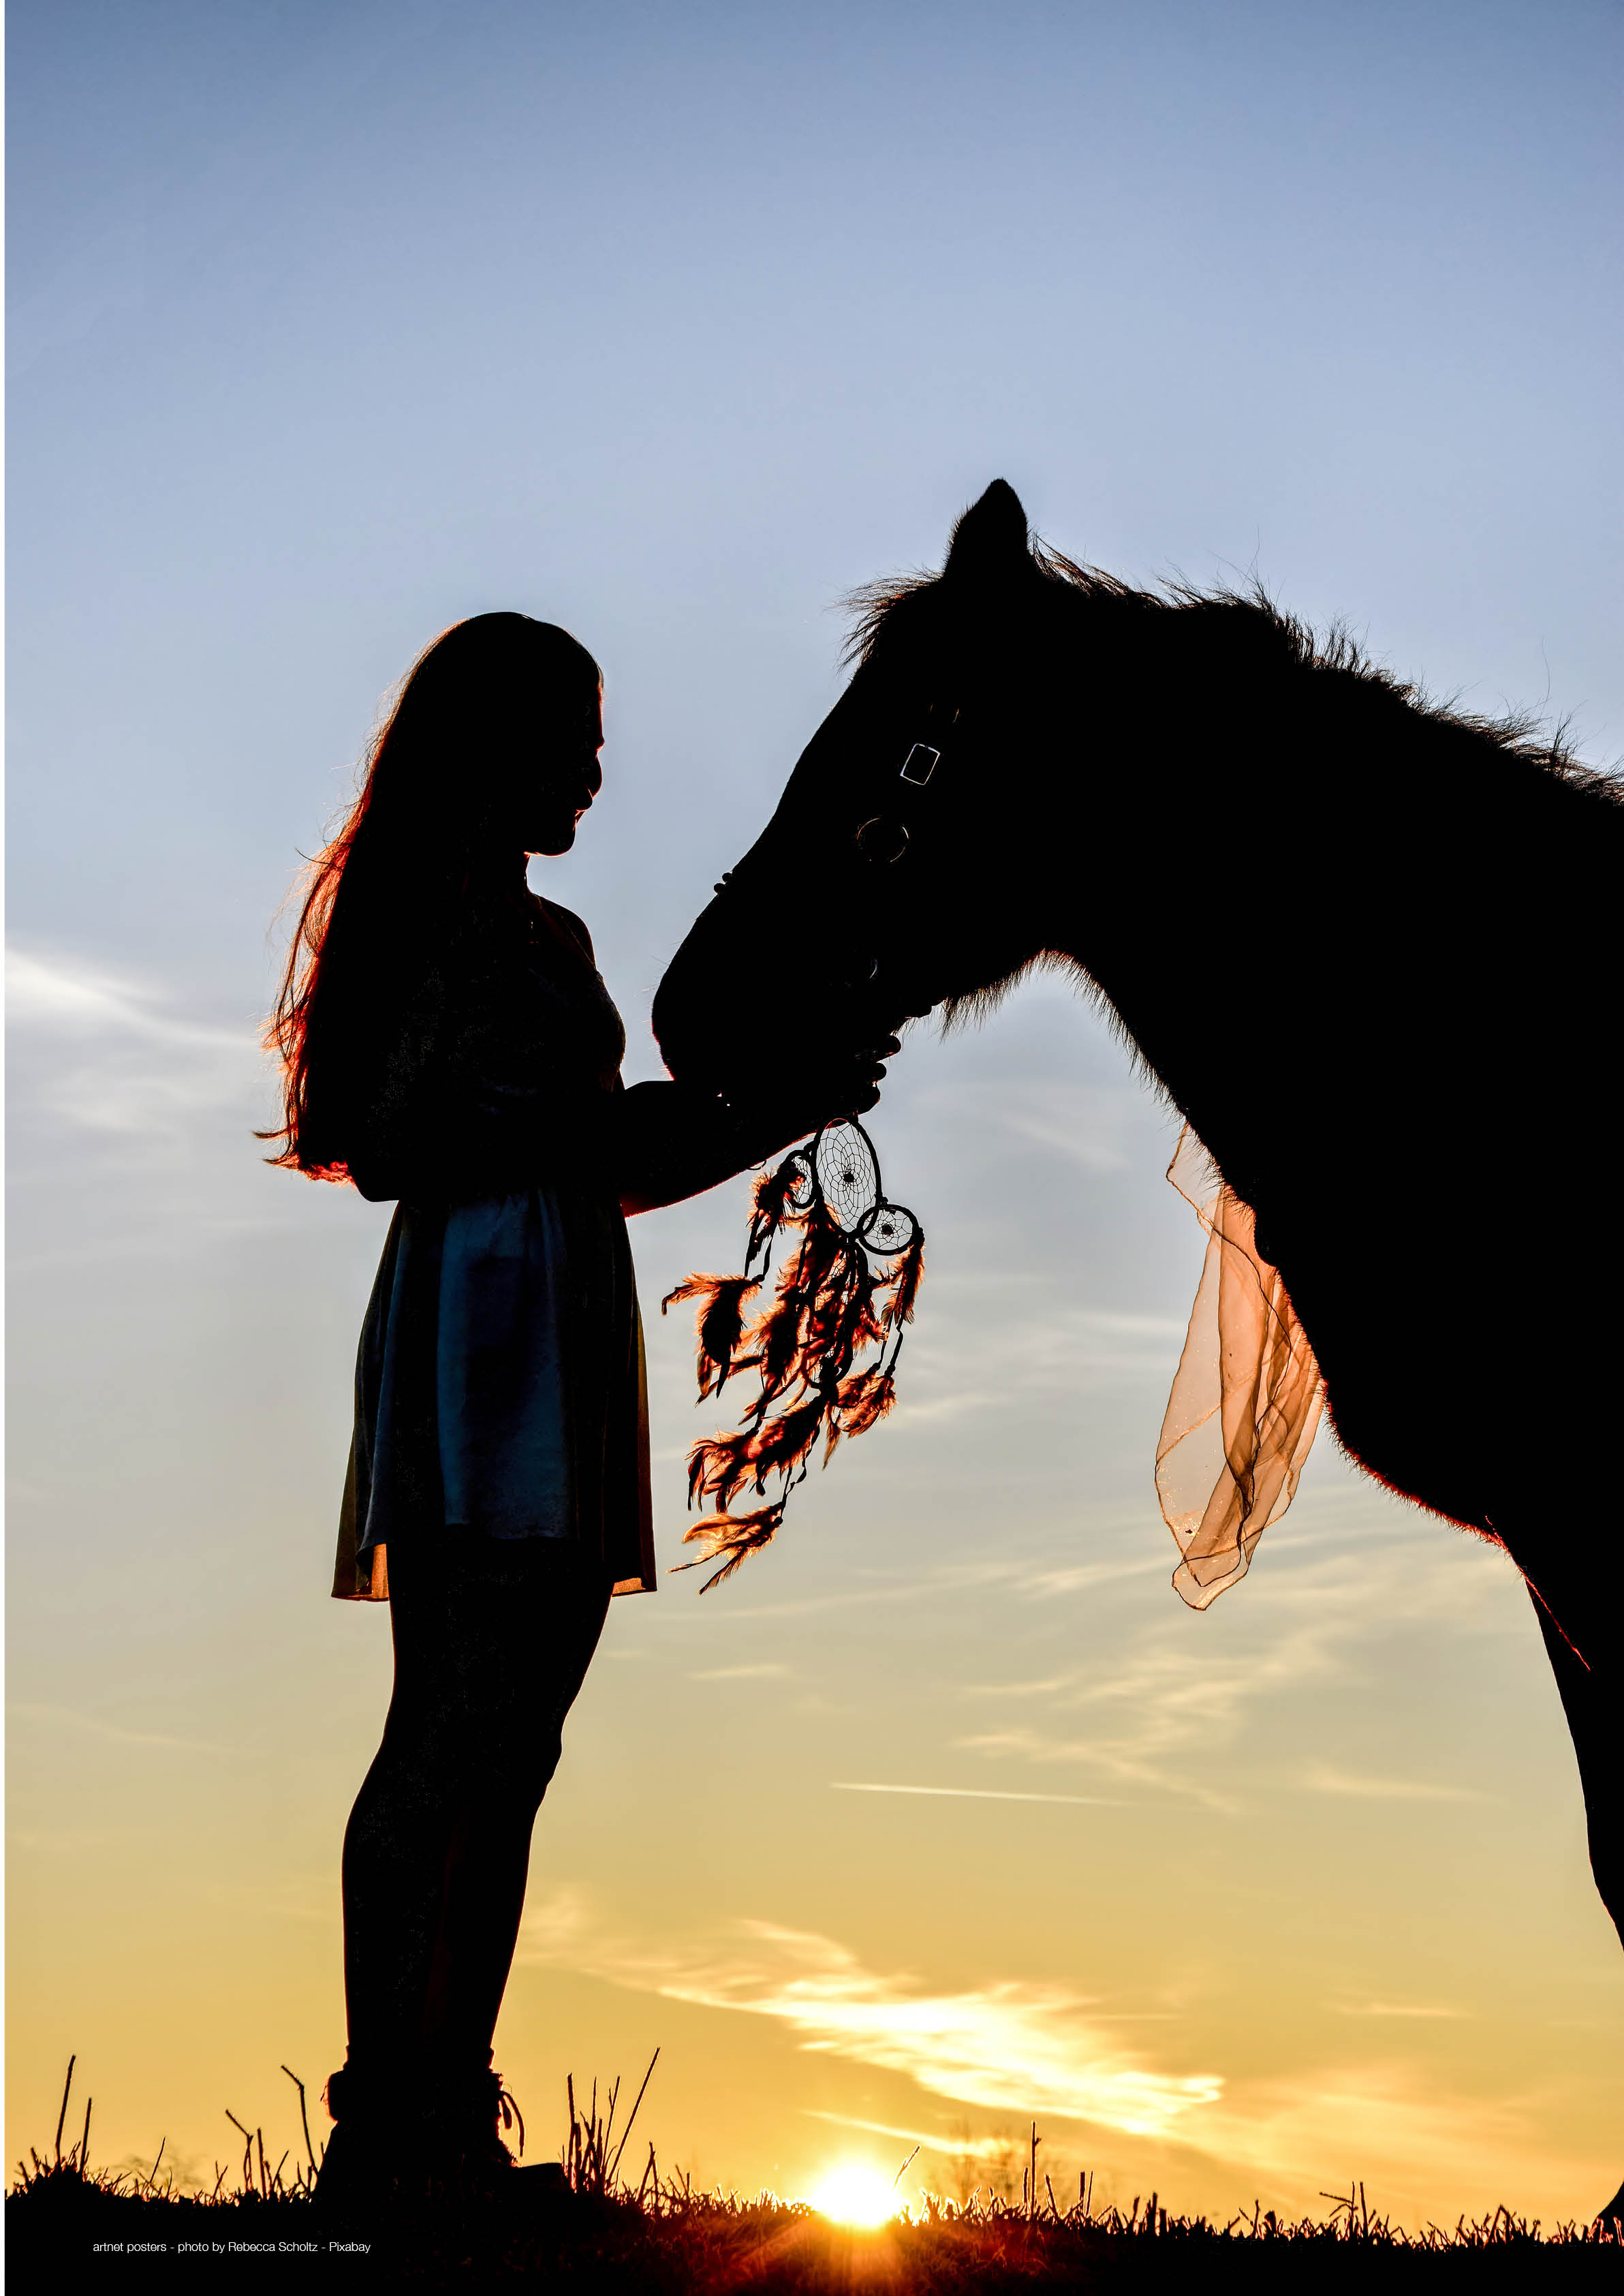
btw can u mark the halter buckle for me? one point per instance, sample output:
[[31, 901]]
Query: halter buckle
[[920, 763]]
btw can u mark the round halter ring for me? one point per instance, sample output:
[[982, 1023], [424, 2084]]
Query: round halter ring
[[884, 840]]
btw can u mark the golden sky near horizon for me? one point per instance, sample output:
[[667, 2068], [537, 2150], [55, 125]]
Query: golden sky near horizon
[[944, 1815], [330, 325]]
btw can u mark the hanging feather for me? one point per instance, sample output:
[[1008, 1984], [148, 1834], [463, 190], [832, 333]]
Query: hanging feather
[[867, 1398], [849, 1285], [910, 1272], [719, 1324], [732, 1537], [780, 1445]]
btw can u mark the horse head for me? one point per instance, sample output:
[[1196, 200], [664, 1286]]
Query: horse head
[[905, 865]]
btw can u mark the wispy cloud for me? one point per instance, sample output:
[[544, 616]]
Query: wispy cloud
[[1007, 2046], [994, 1347], [1092, 1127], [1412, 2137], [1088, 1125], [67, 995], [104, 1053], [953, 2143], [971, 1793], [1018, 2049], [116, 1733], [70, 1840], [1166, 1712], [739, 1673], [1395, 2009], [1040, 1686], [1322, 1778]]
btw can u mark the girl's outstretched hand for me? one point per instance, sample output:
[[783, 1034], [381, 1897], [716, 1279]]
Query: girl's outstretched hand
[[831, 1082], [669, 1141]]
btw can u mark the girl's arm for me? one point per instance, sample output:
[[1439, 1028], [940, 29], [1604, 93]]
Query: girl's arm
[[654, 1143], [663, 1143], [454, 1101], [666, 1142]]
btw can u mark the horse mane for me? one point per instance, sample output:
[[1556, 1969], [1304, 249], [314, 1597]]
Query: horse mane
[[1234, 613], [1522, 733]]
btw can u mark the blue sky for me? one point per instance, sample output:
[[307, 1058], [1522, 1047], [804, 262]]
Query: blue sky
[[330, 325]]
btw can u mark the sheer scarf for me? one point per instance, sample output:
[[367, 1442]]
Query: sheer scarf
[[1245, 1405]]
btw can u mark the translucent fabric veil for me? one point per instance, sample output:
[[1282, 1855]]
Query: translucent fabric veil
[[1240, 1420]]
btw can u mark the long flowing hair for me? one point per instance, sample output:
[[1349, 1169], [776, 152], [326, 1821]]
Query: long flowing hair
[[474, 714]]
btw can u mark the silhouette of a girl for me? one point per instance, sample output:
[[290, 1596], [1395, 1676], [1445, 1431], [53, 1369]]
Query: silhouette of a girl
[[445, 1041]]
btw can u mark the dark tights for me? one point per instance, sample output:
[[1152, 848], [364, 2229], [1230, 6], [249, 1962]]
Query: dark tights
[[489, 1653]]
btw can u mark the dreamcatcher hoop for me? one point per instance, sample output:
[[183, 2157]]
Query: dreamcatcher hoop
[[846, 1292]]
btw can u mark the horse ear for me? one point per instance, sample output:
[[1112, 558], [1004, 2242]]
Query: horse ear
[[990, 536]]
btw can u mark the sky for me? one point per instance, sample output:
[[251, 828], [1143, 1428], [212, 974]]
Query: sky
[[332, 323]]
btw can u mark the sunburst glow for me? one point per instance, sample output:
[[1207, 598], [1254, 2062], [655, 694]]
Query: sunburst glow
[[855, 2195]]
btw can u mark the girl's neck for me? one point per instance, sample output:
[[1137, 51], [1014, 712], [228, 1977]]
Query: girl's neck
[[499, 875]]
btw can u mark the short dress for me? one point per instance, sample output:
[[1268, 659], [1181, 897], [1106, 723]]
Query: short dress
[[500, 1388]]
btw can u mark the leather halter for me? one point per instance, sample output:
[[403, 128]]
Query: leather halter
[[883, 838], [881, 842]]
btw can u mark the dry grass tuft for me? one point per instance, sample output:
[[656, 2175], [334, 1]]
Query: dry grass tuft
[[661, 2237]]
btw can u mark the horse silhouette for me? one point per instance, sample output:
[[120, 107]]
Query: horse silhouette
[[1366, 945]]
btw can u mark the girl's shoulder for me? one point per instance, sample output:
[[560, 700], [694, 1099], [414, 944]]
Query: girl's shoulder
[[565, 922]]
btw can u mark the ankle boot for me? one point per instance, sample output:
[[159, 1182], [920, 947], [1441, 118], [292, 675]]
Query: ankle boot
[[369, 2149], [473, 2110]]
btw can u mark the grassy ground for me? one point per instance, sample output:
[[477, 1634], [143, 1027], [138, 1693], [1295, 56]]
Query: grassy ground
[[66, 2222]]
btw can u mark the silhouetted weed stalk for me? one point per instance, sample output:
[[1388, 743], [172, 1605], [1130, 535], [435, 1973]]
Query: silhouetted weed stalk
[[662, 2235]]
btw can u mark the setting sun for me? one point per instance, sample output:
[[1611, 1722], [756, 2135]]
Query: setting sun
[[855, 2195]]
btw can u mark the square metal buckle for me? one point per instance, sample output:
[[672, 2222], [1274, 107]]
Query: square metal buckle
[[920, 763]]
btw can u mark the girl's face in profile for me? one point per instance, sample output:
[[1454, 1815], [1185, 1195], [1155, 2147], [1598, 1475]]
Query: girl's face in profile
[[565, 778]]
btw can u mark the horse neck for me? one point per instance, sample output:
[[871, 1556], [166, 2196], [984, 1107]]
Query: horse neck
[[1223, 901]]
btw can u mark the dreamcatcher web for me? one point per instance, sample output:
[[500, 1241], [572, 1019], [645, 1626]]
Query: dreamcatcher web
[[847, 1172]]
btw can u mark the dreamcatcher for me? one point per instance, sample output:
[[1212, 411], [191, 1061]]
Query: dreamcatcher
[[849, 1286]]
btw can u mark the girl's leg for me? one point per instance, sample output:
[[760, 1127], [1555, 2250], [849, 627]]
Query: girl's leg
[[535, 1615], [489, 1654], [396, 1846]]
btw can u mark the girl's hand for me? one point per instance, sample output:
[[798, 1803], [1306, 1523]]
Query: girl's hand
[[666, 1142], [829, 1084]]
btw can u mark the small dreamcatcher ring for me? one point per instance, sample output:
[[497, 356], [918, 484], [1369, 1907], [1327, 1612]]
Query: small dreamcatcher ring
[[886, 1229]]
